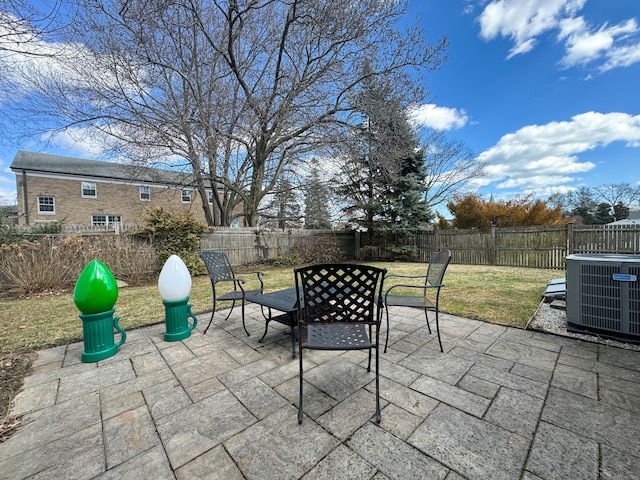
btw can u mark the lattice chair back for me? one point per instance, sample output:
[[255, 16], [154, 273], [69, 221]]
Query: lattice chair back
[[218, 266], [339, 293]]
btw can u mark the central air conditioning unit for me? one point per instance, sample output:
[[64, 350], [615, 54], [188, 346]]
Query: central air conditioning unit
[[603, 295]]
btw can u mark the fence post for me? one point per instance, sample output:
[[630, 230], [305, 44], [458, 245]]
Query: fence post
[[570, 239], [493, 255]]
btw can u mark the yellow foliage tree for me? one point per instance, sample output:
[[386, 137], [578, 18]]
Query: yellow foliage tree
[[471, 211]]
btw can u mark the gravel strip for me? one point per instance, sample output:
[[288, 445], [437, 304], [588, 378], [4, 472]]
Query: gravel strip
[[553, 320]]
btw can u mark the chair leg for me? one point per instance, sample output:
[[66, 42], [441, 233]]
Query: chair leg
[[213, 312], [243, 324], [438, 331], [369, 364], [300, 395], [211, 319], [378, 415], [426, 315], [387, 340], [233, 304]]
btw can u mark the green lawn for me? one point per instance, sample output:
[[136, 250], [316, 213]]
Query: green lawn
[[502, 295]]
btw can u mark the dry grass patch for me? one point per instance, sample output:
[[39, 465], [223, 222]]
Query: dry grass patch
[[503, 295]]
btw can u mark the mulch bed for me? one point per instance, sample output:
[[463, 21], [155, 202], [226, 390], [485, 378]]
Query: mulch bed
[[13, 369]]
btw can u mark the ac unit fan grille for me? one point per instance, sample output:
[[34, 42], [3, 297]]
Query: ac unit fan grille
[[600, 300]]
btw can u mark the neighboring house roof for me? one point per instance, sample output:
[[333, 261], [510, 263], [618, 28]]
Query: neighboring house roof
[[625, 221], [56, 164]]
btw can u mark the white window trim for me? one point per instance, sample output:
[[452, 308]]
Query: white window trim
[[148, 192], [107, 222], [46, 212], [95, 189], [182, 195]]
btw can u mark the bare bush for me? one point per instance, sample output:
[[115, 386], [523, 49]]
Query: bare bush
[[37, 266], [318, 249], [129, 259], [51, 265]]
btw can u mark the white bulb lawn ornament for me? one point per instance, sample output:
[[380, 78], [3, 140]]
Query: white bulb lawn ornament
[[174, 284]]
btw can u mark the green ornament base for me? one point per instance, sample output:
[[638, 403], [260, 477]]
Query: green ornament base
[[97, 356], [176, 319], [174, 337], [98, 335]]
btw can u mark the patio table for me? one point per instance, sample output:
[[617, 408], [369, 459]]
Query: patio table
[[285, 301]]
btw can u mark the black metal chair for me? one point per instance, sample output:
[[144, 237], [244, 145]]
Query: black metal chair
[[220, 270], [432, 283], [340, 309]]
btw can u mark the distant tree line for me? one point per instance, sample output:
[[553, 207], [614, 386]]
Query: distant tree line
[[601, 205], [588, 206]]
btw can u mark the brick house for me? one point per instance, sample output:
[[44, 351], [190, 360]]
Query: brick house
[[98, 194]]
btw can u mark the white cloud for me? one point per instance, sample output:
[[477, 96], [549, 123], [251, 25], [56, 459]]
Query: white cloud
[[7, 190], [438, 118], [83, 141], [584, 46], [524, 21], [538, 156]]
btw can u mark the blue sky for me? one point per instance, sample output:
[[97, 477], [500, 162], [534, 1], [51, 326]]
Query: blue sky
[[546, 92]]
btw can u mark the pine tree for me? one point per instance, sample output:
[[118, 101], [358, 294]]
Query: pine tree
[[283, 211], [316, 202], [381, 144], [407, 207]]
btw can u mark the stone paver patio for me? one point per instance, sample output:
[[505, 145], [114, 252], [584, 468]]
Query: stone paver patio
[[500, 403]]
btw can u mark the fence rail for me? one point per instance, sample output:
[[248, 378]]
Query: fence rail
[[251, 245], [539, 247], [545, 246]]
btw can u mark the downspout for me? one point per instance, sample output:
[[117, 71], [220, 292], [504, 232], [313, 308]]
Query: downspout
[[25, 207]]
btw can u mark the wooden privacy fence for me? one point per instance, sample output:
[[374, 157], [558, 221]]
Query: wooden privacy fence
[[544, 246], [246, 245]]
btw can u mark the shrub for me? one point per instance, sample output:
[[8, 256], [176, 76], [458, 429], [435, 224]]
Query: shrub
[[130, 259], [47, 264], [317, 249], [11, 234], [37, 266], [174, 234]]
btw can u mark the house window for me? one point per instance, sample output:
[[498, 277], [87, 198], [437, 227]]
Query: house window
[[145, 193], [106, 221], [46, 205], [89, 190], [210, 198], [186, 195]]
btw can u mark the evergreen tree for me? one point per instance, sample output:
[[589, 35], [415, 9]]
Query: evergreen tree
[[316, 202], [407, 207], [283, 211], [383, 141]]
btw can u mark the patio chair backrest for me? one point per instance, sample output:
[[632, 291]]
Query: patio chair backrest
[[437, 266], [344, 293], [217, 265]]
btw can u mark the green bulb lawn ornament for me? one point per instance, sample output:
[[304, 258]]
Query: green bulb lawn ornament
[[95, 294]]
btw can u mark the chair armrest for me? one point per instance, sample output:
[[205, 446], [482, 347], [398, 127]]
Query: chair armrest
[[403, 276], [259, 274], [421, 287], [234, 280]]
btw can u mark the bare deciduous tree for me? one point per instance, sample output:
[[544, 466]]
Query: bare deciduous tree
[[618, 194], [450, 166], [238, 89]]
